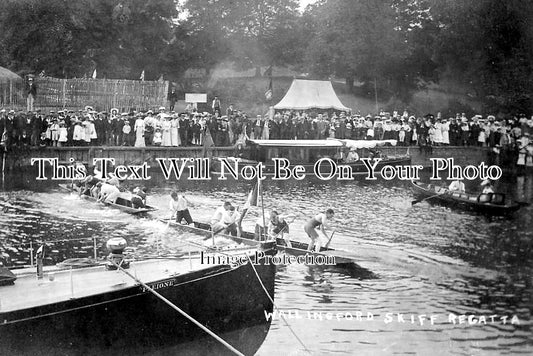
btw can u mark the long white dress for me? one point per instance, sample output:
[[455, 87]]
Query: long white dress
[[165, 127], [174, 134], [445, 128], [139, 133], [437, 133]]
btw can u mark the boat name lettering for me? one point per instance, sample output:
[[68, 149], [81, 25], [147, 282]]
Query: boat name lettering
[[159, 285]]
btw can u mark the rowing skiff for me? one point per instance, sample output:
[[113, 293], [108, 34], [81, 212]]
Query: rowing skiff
[[490, 204], [121, 203]]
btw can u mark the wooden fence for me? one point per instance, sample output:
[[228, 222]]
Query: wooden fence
[[101, 94]]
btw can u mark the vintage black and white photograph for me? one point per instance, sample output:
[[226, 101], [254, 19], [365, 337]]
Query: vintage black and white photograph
[[266, 177]]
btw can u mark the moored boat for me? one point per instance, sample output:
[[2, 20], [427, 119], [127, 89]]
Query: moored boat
[[489, 204], [342, 258], [308, 153], [121, 203], [97, 310]]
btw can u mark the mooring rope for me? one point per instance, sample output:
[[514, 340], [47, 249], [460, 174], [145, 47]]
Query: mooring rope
[[276, 307]]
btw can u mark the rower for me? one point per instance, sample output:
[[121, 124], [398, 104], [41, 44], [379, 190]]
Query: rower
[[487, 187], [219, 212], [457, 186], [352, 156], [228, 222], [277, 225], [321, 220], [138, 198], [179, 205], [108, 193]]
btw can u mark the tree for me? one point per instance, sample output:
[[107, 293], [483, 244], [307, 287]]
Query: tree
[[358, 39], [249, 32], [488, 44], [72, 38]]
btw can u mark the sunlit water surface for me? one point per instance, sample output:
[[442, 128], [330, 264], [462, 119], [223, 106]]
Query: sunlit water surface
[[418, 261]]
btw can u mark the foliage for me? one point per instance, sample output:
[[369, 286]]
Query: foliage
[[72, 38], [393, 46]]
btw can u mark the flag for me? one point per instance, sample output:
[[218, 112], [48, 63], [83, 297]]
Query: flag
[[253, 196], [40, 252], [94, 73], [268, 93], [142, 76], [268, 72], [253, 200]]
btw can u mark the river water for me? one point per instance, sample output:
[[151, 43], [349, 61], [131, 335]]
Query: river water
[[432, 280]]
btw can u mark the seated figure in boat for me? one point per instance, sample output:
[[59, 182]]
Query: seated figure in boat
[[322, 221], [487, 187], [489, 196], [138, 198], [457, 186], [352, 156], [228, 222], [108, 193], [88, 184]]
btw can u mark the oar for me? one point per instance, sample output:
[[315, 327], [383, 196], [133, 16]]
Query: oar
[[287, 241], [419, 201], [331, 236], [214, 233]]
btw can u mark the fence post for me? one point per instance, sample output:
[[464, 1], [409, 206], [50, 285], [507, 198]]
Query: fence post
[[64, 92], [11, 92]]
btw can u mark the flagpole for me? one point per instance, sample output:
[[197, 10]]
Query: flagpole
[[265, 228]]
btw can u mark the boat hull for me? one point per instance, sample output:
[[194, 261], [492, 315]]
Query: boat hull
[[126, 206], [466, 202], [297, 248], [134, 321]]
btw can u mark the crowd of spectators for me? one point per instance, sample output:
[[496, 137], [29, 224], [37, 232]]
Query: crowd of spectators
[[165, 128]]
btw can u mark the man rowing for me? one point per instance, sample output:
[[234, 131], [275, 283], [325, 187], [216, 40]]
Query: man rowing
[[138, 198], [108, 193], [321, 221], [457, 186], [487, 187], [179, 205], [228, 222], [277, 225], [219, 212]]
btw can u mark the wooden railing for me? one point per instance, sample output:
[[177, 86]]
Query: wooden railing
[[101, 94]]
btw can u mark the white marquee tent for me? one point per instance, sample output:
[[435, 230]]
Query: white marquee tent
[[310, 94]]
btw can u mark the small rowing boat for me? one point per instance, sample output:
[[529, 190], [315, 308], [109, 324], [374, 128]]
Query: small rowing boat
[[292, 247], [121, 203], [489, 204]]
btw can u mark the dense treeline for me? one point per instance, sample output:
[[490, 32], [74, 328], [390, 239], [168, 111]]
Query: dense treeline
[[395, 46]]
